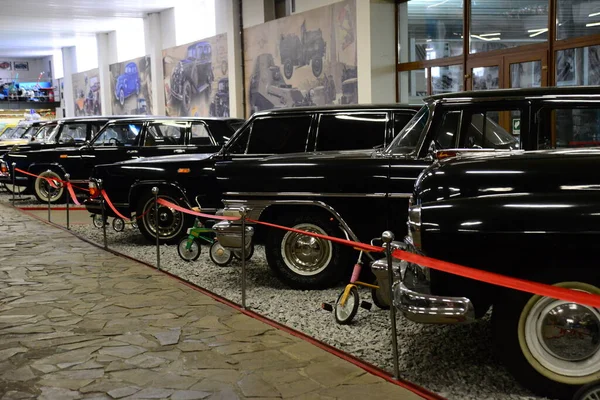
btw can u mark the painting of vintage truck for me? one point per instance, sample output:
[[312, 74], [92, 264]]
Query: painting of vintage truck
[[303, 59], [196, 78]]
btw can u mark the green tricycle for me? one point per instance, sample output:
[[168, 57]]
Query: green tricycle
[[189, 247]]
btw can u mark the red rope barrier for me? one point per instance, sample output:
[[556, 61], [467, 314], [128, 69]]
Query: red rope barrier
[[198, 214], [72, 193], [112, 207], [51, 181]]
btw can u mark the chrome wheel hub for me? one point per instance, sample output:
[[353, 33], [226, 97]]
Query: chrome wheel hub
[[169, 220], [564, 337], [306, 255]]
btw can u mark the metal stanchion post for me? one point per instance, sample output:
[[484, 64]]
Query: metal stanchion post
[[155, 193], [14, 165], [243, 215], [387, 237], [102, 202], [67, 179], [48, 193]]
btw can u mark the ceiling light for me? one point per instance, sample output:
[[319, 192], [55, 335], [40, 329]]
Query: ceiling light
[[438, 4], [491, 34], [485, 38], [537, 30], [593, 24], [594, 14], [429, 49], [428, 40]]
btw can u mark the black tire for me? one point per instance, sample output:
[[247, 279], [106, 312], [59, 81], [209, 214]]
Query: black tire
[[378, 299], [526, 356], [590, 391], [186, 97], [317, 66], [172, 223], [345, 314], [249, 253], [220, 255], [97, 221], [41, 188], [189, 255], [331, 258], [288, 68]]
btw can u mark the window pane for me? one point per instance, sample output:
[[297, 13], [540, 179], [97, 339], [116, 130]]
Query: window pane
[[406, 140], [526, 74], [119, 135], [577, 18], [570, 127], [446, 135], [200, 135], [278, 135], [165, 135], [499, 25], [486, 78], [580, 66], [73, 132], [484, 131], [429, 29], [351, 131], [401, 119], [412, 86], [446, 79]]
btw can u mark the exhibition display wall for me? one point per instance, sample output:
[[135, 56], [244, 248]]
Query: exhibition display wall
[[86, 93], [131, 87]]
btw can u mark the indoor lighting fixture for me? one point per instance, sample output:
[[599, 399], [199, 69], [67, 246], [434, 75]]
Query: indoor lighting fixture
[[491, 34], [535, 32], [594, 14], [487, 39], [438, 4], [593, 24]]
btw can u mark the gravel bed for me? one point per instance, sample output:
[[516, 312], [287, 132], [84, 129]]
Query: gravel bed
[[455, 361]]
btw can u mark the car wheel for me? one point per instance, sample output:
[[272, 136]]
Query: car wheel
[[171, 223], [551, 346], [122, 97], [10, 188], [186, 102], [288, 68], [301, 261], [588, 392], [317, 66], [43, 189]]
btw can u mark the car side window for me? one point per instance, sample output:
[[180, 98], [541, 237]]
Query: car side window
[[95, 128], [483, 131], [400, 121], [200, 135], [72, 133], [164, 134], [445, 137], [119, 135], [351, 131], [279, 134], [569, 127]]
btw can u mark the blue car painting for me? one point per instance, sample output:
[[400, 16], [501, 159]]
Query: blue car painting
[[128, 83]]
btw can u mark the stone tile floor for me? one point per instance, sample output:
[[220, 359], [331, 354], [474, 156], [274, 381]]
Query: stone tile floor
[[77, 322]]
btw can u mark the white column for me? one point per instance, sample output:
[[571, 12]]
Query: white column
[[363, 49], [168, 31], [254, 12], [383, 53], [404, 50], [69, 55], [228, 21], [153, 33], [104, 59]]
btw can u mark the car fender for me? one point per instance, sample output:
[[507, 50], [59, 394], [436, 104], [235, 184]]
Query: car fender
[[140, 187]]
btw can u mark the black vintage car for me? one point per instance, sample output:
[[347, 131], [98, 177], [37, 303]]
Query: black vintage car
[[530, 215], [192, 75], [190, 179], [220, 104], [359, 194], [119, 140]]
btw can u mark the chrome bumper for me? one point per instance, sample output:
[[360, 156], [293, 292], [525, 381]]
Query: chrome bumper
[[229, 233], [411, 295]]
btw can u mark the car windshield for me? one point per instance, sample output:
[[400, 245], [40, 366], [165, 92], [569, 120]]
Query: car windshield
[[29, 132], [16, 133], [406, 140]]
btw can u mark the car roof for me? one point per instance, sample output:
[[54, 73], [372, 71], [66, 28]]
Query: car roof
[[341, 107], [166, 118], [570, 91]]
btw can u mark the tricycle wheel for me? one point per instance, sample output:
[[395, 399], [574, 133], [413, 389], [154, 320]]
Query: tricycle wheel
[[345, 313], [220, 255], [118, 225], [190, 253], [378, 298], [249, 253], [97, 221]]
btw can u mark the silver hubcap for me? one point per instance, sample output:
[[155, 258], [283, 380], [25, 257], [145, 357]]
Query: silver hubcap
[[592, 394], [306, 255], [564, 337], [169, 220], [343, 312]]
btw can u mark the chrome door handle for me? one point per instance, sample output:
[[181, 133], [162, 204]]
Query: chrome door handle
[[179, 151], [132, 151]]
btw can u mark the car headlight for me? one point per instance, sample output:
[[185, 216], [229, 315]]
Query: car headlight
[[414, 223]]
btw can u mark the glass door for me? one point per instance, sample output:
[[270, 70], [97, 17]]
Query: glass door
[[485, 74], [526, 70]]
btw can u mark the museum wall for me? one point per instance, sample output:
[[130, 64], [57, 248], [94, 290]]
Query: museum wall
[[27, 69], [131, 87], [86, 93]]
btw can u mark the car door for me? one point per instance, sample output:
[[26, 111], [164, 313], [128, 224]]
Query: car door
[[115, 142], [351, 130], [200, 139], [164, 137]]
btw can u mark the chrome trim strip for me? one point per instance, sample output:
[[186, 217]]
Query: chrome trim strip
[[400, 195], [313, 194]]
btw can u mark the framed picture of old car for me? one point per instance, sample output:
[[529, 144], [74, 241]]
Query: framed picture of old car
[[5, 65], [21, 65]]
